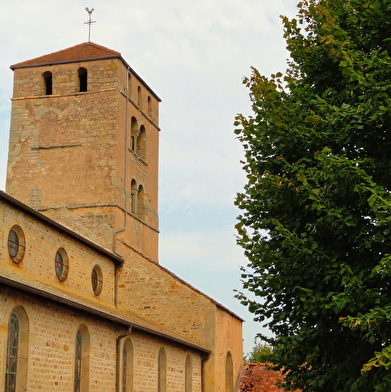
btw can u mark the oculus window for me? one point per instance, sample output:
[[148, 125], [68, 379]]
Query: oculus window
[[61, 264], [97, 280], [16, 244]]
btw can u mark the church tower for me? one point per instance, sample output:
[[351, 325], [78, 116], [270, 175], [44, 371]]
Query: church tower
[[84, 145]]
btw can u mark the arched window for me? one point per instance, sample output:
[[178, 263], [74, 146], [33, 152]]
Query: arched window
[[133, 133], [127, 366], [129, 86], [83, 79], [82, 360], [140, 202], [188, 374], [133, 197], [229, 372], [47, 83], [149, 106], [139, 97], [17, 351], [162, 371], [141, 143], [12, 353]]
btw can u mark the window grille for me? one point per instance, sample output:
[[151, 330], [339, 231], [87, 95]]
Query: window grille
[[78, 359], [13, 243], [12, 354], [124, 368], [61, 264], [97, 280], [16, 244]]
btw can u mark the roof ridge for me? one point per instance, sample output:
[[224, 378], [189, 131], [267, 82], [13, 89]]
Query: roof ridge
[[99, 46], [79, 52]]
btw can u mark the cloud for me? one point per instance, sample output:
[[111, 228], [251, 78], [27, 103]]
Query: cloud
[[209, 250], [194, 55]]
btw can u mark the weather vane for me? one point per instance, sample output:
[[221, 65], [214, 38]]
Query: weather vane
[[89, 22]]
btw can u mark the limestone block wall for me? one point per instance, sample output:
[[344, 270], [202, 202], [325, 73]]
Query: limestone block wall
[[160, 296], [141, 96], [102, 75], [41, 244], [72, 156], [141, 167], [96, 224], [63, 158], [50, 359], [90, 161], [229, 346], [157, 295]]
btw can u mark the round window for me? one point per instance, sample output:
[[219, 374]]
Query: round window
[[61, 264], [16, 244], [96, 280]]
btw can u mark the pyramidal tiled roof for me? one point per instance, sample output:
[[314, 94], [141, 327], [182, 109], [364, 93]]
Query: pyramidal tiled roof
[[82, 52]]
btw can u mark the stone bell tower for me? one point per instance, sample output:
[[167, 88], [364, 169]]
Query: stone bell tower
[[84, 145]]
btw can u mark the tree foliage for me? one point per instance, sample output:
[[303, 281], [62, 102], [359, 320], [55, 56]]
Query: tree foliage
[[315, 222], [261, 353]]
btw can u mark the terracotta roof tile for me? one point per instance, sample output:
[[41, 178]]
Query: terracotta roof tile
[[84, 51]]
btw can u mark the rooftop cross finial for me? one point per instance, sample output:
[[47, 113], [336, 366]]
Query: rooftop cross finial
[[89, 22]]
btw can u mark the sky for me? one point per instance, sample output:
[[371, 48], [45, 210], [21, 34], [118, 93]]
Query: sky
[[194, 55]]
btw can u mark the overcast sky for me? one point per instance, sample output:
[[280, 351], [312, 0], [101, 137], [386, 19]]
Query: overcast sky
[[193, 54]]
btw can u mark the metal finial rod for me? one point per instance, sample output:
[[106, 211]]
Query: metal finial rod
[[89, 22]]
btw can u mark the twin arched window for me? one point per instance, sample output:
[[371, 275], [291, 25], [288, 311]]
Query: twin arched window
[[82, 81], [149, 106], [137, 206], [139, 97], [129, 86], [138, 139]]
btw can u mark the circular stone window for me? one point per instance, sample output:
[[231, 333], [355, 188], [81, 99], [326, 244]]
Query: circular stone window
[[61, 264], [16, 244], [97, 280]]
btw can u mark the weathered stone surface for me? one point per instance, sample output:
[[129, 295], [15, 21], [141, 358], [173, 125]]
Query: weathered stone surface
[[89, 160]]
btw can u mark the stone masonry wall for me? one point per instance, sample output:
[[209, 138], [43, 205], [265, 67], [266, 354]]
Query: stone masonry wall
[[68, 150], [157, 295], [51, 352], [228, 340], [42, 243], [153, 293], [67, 159]]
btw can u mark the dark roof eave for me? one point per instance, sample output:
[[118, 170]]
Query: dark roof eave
[[17, 66], [100, 313], [118, 261]]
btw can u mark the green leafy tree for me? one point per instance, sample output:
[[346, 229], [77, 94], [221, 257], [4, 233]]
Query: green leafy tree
[[315, 222], [261, 353]]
